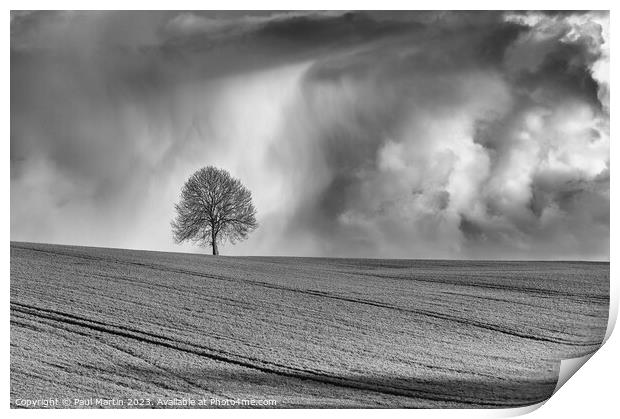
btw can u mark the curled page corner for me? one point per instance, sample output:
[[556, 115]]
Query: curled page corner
[[568, 368]]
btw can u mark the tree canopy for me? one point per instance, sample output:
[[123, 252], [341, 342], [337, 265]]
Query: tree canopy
[[214, 207]]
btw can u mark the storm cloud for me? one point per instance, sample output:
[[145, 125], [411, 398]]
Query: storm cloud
[[364, 134]]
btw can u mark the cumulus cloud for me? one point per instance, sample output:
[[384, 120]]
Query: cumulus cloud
[[422, 134]]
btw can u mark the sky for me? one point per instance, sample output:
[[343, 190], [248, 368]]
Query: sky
[[457, 135]]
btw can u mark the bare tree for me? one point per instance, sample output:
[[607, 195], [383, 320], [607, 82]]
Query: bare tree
[[214, 207]]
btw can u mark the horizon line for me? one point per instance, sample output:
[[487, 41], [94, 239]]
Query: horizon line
[[316, 257]]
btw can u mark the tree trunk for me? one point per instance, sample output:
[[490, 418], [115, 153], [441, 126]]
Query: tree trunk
[[214, 245]]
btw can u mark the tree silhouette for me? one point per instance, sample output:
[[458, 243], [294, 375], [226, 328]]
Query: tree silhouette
[[214, 207]]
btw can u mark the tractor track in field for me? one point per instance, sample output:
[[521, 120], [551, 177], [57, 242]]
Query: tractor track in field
[[70, 322]]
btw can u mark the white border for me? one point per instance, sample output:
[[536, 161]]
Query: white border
[[591, 393]]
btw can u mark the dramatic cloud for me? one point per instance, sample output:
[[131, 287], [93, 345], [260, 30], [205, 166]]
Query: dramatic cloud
[[421, 134]]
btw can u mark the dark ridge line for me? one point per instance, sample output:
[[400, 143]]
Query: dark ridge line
[[246, 362], [427, 313]]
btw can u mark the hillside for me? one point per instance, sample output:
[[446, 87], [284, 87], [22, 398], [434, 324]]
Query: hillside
[[305, 332]]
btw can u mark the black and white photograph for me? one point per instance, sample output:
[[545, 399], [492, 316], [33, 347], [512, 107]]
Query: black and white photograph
[[306, 209]]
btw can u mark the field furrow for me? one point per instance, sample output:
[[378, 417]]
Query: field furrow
[[90, 322]]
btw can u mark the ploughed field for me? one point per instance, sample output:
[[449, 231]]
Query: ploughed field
[[305, 332]]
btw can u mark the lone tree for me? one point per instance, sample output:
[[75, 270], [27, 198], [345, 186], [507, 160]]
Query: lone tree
[[214, 207]]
